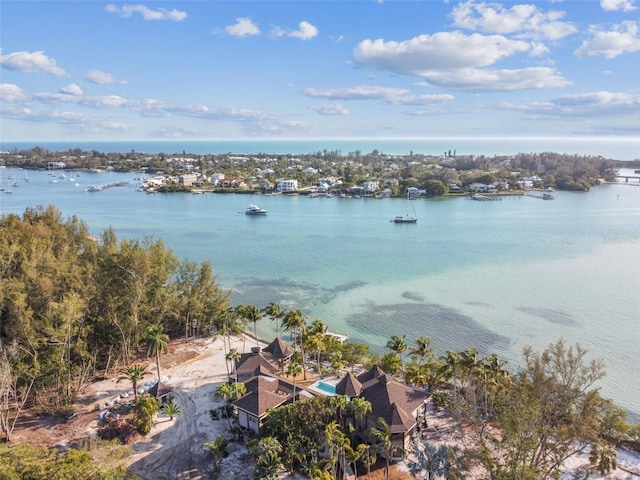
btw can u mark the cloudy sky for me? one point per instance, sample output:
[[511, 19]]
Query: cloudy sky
[[90, 70]]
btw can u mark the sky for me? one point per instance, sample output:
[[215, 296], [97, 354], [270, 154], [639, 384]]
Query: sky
[[221, 70]]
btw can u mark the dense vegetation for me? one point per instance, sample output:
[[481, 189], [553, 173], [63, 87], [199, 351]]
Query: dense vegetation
[[73, 307], [510, 425], [93, 461], [430, 172]]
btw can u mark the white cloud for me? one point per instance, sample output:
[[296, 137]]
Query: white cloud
[[479, 80], [614, 5], [440, 51], [590, 104], [420, 99], [521, 20], [453, 60], [31, 62], [243, 27], [330, 109], [610, 44], [147, 14], [102, 78], [11, 93], [356, 93], [72, 89], [107, 101], [601, 98], [306, 31]]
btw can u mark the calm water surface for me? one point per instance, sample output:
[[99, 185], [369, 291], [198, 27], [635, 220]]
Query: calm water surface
[[493, 275]]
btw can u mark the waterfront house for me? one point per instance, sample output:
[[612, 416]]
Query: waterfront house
[[271, 359], [287, 185], [401, 406], [265, 392]]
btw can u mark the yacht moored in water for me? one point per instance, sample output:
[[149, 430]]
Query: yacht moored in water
[[255, 210]]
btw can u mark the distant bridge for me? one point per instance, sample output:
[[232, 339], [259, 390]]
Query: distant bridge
[[627, 177]]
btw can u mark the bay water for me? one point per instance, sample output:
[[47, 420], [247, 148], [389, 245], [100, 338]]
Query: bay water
[[496, 276]]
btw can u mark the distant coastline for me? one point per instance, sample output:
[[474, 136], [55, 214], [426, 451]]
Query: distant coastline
[[615, 148]]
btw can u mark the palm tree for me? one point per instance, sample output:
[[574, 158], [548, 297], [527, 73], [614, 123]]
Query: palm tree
[[134, 374], [398, 345], [218, 448], [422, 350], [382, 435], [171, 409], [267, 465], [293, 321], [239, 314], [157, 342], [253, 314], [293, 370], [233, 356], [276, 313]]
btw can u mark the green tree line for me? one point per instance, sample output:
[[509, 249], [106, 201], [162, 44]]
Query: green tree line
[[73, 307]]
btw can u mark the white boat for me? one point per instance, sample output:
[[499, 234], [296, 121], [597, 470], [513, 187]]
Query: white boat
[[94, 188], [255, 210], [406, 218]]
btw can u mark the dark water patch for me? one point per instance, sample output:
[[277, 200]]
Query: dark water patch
[[552, 316], [290, 294], [447, 328], [345, 287], [480, 304], [413, 296]]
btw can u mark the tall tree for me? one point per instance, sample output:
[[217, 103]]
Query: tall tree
[[398, 345], [548, 413], [383, 438], [157, 342], [276, 314]]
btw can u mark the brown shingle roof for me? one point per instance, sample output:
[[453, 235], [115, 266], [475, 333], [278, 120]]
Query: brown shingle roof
[[391, 400], [266, 391], [371, 374], [262, 395], [349, 386], [251, 364], [279, 349]]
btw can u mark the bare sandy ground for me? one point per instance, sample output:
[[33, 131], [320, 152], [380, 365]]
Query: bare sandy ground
[[173, 448]]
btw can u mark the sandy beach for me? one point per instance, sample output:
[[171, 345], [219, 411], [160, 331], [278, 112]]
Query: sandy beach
[[172, 450]]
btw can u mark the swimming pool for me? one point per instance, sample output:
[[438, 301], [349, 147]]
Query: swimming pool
[[323, 387]]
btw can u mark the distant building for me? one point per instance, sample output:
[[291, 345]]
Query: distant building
[[370, 187], [287, 185], [216, 178], [188, 179]]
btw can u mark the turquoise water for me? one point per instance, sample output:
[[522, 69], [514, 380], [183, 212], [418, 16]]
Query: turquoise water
[[493, 275], [324, 387]]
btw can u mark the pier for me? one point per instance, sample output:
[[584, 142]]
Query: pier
[[627, 177]]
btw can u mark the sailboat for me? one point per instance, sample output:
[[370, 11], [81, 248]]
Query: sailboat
[[406, 218]]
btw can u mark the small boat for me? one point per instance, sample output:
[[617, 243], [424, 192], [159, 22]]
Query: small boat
[[547, 196], [94, 188], [404, 219], [255, 210]]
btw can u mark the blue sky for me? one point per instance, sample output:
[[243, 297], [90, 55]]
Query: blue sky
[[207, 70]]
